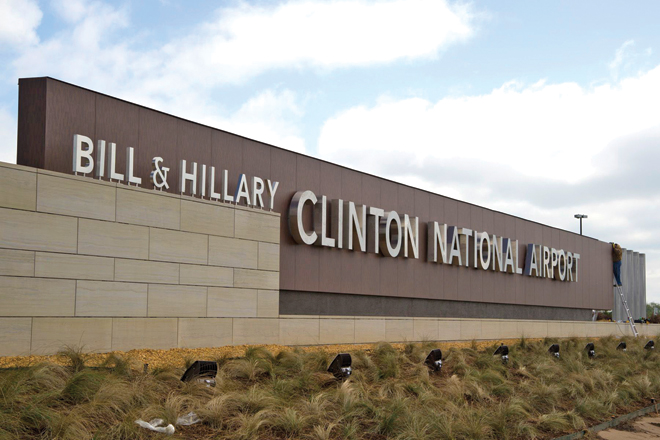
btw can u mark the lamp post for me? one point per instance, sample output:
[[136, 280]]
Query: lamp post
[[580, 216]]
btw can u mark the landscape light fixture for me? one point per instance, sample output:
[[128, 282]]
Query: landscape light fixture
[[591, 350], [434, 360], [650, 345], [503, 350], [554, 349], [201, 371], [580, 217], [341, 366], [621, 346]]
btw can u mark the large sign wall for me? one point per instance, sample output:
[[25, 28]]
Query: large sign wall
[[52, 113]]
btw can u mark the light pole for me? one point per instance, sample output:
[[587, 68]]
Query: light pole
[[580, 216]]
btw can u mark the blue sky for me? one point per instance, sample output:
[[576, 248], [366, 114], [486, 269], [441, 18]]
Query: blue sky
[[537, 109]]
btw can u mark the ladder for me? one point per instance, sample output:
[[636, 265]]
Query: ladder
[[625, 306]]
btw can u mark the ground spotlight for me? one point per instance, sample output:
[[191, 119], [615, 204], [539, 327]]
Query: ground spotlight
[[621, 346], [591, 349], [503, 350], [650, 345], [201, 371], [341, 366], [434, 360], [554, 349]]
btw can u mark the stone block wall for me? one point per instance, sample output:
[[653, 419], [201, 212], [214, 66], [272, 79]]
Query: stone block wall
[[85, 262]]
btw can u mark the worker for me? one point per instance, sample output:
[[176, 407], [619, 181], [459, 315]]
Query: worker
[[617, 253]]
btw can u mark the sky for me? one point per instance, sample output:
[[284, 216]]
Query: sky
[[537, 109]]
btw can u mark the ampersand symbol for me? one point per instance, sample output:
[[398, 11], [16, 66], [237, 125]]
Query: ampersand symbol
[[159, 174]]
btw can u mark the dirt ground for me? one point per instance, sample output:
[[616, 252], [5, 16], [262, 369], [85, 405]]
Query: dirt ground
[[643, 428], [176, 357]]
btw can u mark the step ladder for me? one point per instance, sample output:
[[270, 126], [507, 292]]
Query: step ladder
[[625, 306]]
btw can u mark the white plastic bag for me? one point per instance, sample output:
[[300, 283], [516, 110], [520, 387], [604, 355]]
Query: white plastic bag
[[155, 425], [189, 419]]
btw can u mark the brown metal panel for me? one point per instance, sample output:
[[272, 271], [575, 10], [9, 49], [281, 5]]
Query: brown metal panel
[[523, 296], [476, 275], [421, 267], [283, 170], [406, 266], [307, 257], [351, 261], [436, 271], [256, 162], [389, 266], [227, 154], [488, 277], [157, 137], [371, 262], [119, 122], [69, 110], [451, 272], [330, 259], [31, 122], [194, 143]]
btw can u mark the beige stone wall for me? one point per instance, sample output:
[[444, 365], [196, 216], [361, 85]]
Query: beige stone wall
[[111, 267], [107, 266]]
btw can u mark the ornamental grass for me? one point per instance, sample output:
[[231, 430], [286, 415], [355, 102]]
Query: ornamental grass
[[286, 393]]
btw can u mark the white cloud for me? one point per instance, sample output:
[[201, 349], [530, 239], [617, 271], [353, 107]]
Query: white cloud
[[239, 42], [7, 136], [248, 40], [549, 131], [271, 117], [18, 22]]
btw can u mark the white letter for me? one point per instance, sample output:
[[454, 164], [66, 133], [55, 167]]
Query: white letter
[[321, 224], [185, 176], [79, 154], [272, 189], [257, 191], [454, 246], [130, 168], [295, 217], [100, 159], [112, 163], [242, 190], [437, 237], [385, 234], [225, 187], [212, 193], [373, 223], [355, 224], [410, 236]]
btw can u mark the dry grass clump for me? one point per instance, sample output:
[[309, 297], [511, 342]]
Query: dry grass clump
[[287, 394]]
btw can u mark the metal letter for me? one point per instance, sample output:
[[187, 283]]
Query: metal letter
[[531, 263], [100, 159], [130, 167], [553, 262], [516, 257], [296, 208], [507, 251], [437, 237], [225, 187], [454, 246], [410, 236], [561, 267], [576, 259], [373, 224], [390, 228], [484, 249], [321, 224], [212, 193], [496, 255], [112, 163], [337, 220], [464, 238], [158, 174], [355, 225], [79, 154], [546, 262], [272, 189], [202, 181], [242, 190], [569, 266], [185, 176], [257, 191]]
